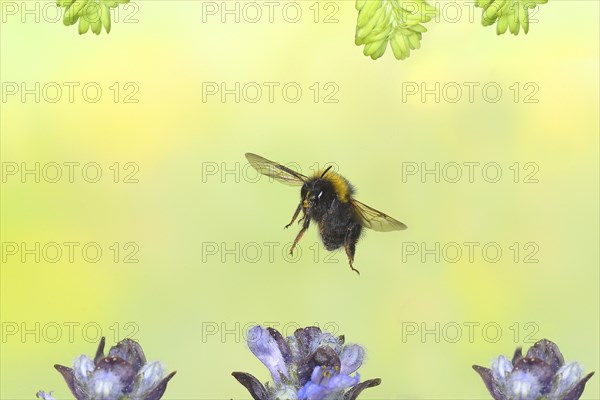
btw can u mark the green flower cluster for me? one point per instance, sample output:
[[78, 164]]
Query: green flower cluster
[[399, 22], [507, 14], [89, 13]]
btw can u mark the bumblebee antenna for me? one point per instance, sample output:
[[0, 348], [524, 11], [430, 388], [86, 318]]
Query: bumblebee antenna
[[324, 172]]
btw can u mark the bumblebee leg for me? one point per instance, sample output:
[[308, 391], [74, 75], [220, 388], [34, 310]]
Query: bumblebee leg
[[350, 248], [300, 234], [295, 216], [350, 245]]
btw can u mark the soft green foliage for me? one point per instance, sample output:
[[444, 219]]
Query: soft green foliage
[[508, 14], [89, 13], [399, 22]]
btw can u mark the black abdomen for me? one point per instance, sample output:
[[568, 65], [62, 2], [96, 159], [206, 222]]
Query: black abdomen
[[336, 224]]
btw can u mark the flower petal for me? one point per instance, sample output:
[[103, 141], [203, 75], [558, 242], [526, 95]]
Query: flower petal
[[130, 351], [501, 368], [100, 350], [96, 26], [73, 13], [327, 357], [548, 352], [577, 391], [306, 337], [517, 356], [266, 349], [351, 358], [312, 391], [64, 3], [324, 381], [566, 378], [524, 385], [83, 368], [256, 389], [486, 376], [323, 357], [105, 384], [76, 389], [284, 348], [536, 368], [343, 381], [84, 25], [307, 340], [147, 378], [353, 393], [44, 396], [118, 367], [159, 390]]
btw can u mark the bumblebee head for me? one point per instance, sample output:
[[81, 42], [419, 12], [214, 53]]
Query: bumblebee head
[[317, 194]]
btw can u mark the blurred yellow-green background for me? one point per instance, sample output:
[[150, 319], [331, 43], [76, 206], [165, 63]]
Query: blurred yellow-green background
[[187, 208]]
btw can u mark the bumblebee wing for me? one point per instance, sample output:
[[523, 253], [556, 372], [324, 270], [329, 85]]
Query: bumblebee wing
[[373, 219], [275, 170]]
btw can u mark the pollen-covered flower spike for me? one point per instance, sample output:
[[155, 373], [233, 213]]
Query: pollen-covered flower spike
[[541, 375], [122, 374], [310, 365], [513, 14], [399, 22], [89, 13]]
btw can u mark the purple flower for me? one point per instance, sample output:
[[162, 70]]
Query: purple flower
[[325, 381], [122, 374], [542, 373], [310, 365], [44, 396], [269, 347]]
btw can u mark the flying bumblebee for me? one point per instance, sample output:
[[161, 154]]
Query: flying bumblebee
[[326, 198]]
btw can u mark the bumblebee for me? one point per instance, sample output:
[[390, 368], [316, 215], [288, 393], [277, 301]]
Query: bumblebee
[[327, 199]]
